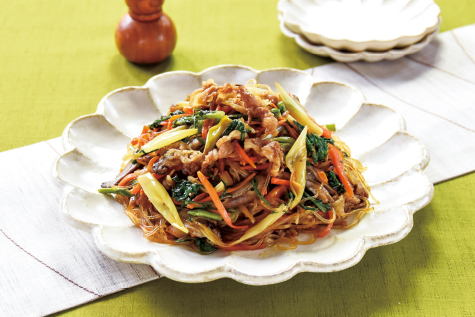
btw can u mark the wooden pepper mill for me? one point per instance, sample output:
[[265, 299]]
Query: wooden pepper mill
[[145, 35]]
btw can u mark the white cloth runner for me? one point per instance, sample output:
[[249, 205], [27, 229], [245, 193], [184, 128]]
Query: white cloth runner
[[48, 266]]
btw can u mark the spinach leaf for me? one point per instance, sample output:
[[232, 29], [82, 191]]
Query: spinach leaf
[[317, 202], [335, 183], [236, 125], [155, 124], [317, 146], [184, 190], [204, 246]]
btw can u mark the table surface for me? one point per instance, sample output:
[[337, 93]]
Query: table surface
[[58, 59]]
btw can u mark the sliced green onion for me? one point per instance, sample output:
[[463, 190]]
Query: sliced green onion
[[205, 213], [330, 127], [118, 191]]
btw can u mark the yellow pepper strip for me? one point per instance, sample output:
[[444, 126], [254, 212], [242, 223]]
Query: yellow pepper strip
[[296, 161], [161, 200], [298, 112], [215, 132]]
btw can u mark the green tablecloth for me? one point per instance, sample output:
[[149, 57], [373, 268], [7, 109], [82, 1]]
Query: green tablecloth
[[58, 59]]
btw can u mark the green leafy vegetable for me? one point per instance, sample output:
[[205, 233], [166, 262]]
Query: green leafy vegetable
[[335, 183], [254, 186], [118, 191], [155, 124], [184, 190], [317, 146], [204, 246], [236, 125], [317, 202]]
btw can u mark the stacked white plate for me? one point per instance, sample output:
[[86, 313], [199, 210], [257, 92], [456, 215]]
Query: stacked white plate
[[351, 30]]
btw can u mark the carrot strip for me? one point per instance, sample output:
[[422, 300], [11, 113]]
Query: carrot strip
[[214, 196], [243, 154], [337, 160], [170, 121], [291, 131], [136, 189], [243, 247], [276, 193], [157, 177], [127, 179], [204, 131], [241, 184], [145, 129], [328, 228], [246, 213], [200, 196], [188, 109], [279, 181], [323, 176], [150, 164]]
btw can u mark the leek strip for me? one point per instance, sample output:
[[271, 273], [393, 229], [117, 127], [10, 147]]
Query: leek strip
[[298, 112], [261, 226], [130, 155], [167, 138], [161, 200], [215, 132], [296, 161]]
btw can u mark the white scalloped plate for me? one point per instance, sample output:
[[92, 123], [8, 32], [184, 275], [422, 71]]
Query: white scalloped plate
[[367, 56], [95, 143], [361, 25]]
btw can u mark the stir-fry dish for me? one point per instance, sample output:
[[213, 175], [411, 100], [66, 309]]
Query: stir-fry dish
[[239, 167]]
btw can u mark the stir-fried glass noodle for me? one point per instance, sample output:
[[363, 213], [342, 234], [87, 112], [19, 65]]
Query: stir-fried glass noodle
[[239, 167]]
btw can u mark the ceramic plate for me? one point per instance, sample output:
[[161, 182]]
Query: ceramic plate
[[94, 144], [347, 57], [361, 25]]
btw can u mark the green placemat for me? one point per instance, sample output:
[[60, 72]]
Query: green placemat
[[58, 59]]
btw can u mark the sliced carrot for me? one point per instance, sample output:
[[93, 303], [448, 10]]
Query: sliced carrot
[[276, 193], [243, 154], [323, 176], [188, 109], [241, 184], [328, 228], [173, 118], [217, 202], [200, 196], [150, 164], [145, 129], [337, 160], [127, 179], [291, 131], [246, 213], [136, 189], [279, 181], [206, 127]]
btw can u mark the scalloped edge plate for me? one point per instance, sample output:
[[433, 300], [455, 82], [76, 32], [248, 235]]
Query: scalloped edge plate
[[236, 265]]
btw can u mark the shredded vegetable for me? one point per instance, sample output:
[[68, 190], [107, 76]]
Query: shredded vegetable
[[239, 168]]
